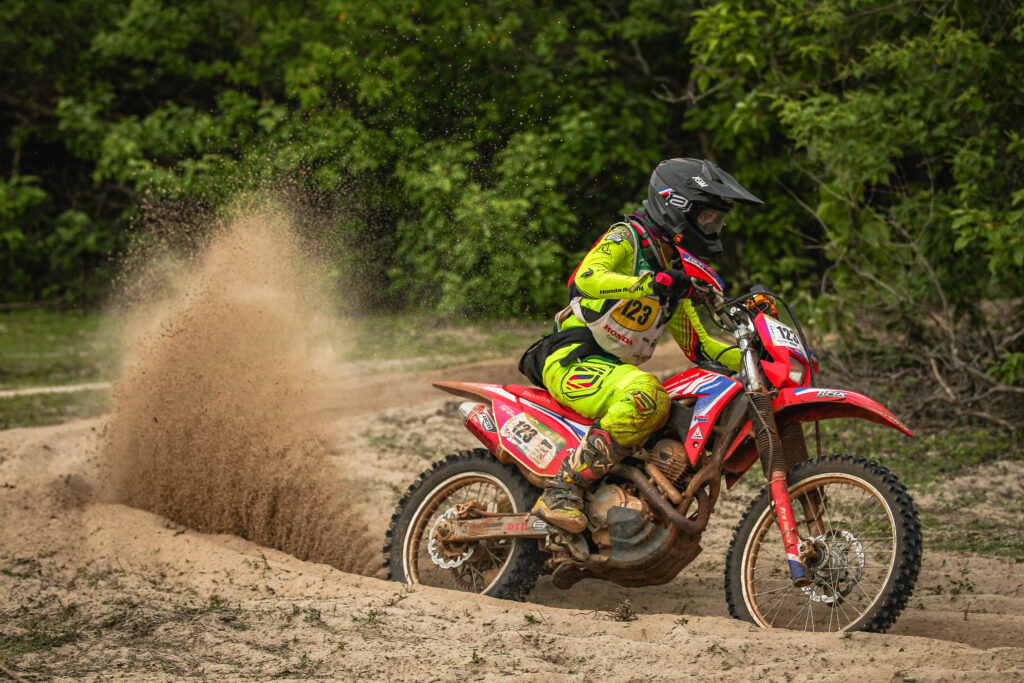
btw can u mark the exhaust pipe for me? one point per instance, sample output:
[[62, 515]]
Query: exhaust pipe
[[480, 422]]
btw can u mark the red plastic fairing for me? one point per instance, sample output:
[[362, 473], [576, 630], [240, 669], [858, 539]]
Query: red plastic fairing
[[694, 267], [784, 348], [533, 429], [713, 392], [807, 405], [472, 389]]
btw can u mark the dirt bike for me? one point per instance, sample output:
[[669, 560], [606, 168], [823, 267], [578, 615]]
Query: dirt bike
[[848, 548]]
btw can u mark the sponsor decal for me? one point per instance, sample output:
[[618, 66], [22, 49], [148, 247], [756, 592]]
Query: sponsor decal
[[698, 435], [482, 416], [613, 237], [675, 199], [679, 201], [614, 291], [534, 439], [587, 273], [584, 381], [830, 393], [617, 335], [539, 525], [517, 526], [700, 418], [508, 411], [487, 423], [644, 403], [700, 181]]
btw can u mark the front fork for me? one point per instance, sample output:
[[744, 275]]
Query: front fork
[[769, 448], [787, 525]]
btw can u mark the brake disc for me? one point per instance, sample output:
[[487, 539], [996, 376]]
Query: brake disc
[[447, 555], [835, 576]]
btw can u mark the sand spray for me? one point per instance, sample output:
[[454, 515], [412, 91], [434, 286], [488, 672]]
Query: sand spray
[[214, 419]]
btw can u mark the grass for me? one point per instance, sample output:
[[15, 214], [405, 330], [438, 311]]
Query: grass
[[403, 336], [932, 455], [965, 532], [40, 627], [46, 348], [44, 409], [932, 458]]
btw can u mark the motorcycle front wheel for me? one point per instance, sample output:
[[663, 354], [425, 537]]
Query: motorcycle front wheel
[[501, 568], [865, 528]]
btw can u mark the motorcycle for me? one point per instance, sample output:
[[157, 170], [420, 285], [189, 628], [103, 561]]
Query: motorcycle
[[847, 551]]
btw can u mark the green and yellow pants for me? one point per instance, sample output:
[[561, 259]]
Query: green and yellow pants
[[630, 403]]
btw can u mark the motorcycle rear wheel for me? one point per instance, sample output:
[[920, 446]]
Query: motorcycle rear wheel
[[868, 531], [502, 568]]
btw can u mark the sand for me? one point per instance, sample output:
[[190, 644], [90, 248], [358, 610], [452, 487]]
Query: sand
[[145, 598], [226, 520]]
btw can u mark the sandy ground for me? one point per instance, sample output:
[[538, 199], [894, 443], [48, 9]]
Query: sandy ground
[[97, 590]]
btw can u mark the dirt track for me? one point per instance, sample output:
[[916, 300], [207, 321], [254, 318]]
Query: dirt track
[[232, 413], [104, 590]]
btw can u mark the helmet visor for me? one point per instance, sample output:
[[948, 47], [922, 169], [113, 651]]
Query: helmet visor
[[711, 221]]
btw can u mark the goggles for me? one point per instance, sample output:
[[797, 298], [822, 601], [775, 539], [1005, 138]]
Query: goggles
[[711, 221]]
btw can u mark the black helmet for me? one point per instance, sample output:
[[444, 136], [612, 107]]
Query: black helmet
[[688, 200]]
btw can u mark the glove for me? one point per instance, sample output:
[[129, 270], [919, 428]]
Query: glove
[[672, 283]]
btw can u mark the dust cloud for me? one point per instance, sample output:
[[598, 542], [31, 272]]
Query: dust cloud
[[214, 417]]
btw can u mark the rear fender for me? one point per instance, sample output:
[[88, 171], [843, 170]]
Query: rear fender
[[474, 390], [807, 405]]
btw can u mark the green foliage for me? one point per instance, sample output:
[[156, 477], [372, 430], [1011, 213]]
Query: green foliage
[[470, 152], [899, 131], [465, 154]]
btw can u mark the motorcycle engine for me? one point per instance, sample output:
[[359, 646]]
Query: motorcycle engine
[[669, 456], [601, 501]]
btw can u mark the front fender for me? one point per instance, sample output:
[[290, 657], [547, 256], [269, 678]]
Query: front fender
[[816, 403], [807, 405]]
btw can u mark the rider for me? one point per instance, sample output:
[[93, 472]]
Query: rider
[[628, 288]]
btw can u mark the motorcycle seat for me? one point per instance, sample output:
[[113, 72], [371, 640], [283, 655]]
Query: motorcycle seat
[[544, 399]]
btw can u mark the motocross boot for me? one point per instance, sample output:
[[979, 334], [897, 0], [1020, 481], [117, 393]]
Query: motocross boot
[[561, 503]]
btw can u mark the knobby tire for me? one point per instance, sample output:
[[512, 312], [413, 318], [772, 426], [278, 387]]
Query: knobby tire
[[525, 561], [884, 610]]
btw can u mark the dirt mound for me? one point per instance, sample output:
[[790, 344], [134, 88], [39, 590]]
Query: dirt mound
[[214, 420]]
